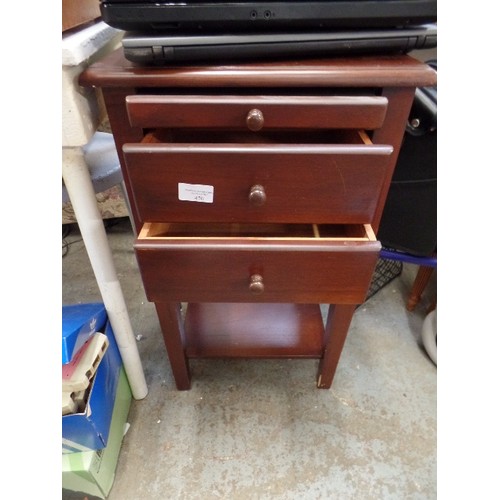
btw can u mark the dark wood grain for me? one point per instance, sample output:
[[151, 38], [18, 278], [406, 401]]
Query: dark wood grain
[[293, 269], [337, 327], [169, 315], [337, 184], [211, 125], [282, 112], [370, 71], [254, 330]]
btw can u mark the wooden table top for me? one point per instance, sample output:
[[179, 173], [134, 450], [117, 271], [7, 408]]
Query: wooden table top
[[360, 71]]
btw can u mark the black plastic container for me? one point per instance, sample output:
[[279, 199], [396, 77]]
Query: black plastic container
[[409, 220]]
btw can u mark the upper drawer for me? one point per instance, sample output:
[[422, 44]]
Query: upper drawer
[[256, 112], [256, 183]]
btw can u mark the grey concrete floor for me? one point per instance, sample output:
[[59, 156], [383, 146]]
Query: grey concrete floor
[[261, 430]]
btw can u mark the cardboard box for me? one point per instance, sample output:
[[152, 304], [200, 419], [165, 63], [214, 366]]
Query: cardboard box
[[78, 12], [89, 429], [79, 323], [93, 472]]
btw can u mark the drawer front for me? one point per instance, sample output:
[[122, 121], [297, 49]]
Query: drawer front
[[316, 184], [256, 269], [257, 112]]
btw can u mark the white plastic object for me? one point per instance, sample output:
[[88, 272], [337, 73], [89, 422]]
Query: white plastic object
[[77, 374], [429, 335]]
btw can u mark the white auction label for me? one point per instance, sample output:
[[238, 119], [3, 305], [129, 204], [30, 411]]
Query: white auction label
[[196, 192]]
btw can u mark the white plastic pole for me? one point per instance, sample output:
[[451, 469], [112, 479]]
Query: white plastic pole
[[81, 193]]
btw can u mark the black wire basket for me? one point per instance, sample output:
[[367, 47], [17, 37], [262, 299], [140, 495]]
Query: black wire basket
[[385, 271]]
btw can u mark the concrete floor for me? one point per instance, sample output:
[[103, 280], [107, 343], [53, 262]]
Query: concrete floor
[[260, 429]]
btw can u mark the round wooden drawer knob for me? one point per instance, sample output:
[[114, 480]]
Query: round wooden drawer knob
[[257, 195], [255, 120], [256, 284]]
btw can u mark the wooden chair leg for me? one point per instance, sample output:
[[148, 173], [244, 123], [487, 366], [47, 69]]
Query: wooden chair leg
[[423, 276]]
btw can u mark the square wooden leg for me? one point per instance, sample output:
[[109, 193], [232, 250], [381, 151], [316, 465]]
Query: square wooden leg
[[169, 315], [337, 325]]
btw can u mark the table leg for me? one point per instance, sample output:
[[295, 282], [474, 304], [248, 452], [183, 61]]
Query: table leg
[[169, 315], [337, 326], [77, 180]]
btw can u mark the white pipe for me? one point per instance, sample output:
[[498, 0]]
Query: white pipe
[[81, 193]]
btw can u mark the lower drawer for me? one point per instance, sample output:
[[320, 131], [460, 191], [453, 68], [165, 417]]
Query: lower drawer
[[298, 263]]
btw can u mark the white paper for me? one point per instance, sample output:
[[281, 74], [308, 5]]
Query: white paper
[[199, 193]]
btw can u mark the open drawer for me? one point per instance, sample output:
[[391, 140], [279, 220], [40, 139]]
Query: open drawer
[[301, 263], [338, 183]]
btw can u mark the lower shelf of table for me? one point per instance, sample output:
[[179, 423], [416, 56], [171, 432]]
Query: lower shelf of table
[[253, 330]]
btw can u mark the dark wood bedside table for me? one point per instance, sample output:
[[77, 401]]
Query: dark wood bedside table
[[257, 190]]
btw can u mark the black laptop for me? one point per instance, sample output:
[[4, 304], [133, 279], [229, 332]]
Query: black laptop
[[160, 32], [218, 16], [160, 49]]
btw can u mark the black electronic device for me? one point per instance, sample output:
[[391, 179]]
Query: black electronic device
[[160, 49], [265, 16]]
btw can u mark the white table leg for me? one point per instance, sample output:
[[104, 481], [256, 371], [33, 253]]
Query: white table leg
[[81, 193]]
